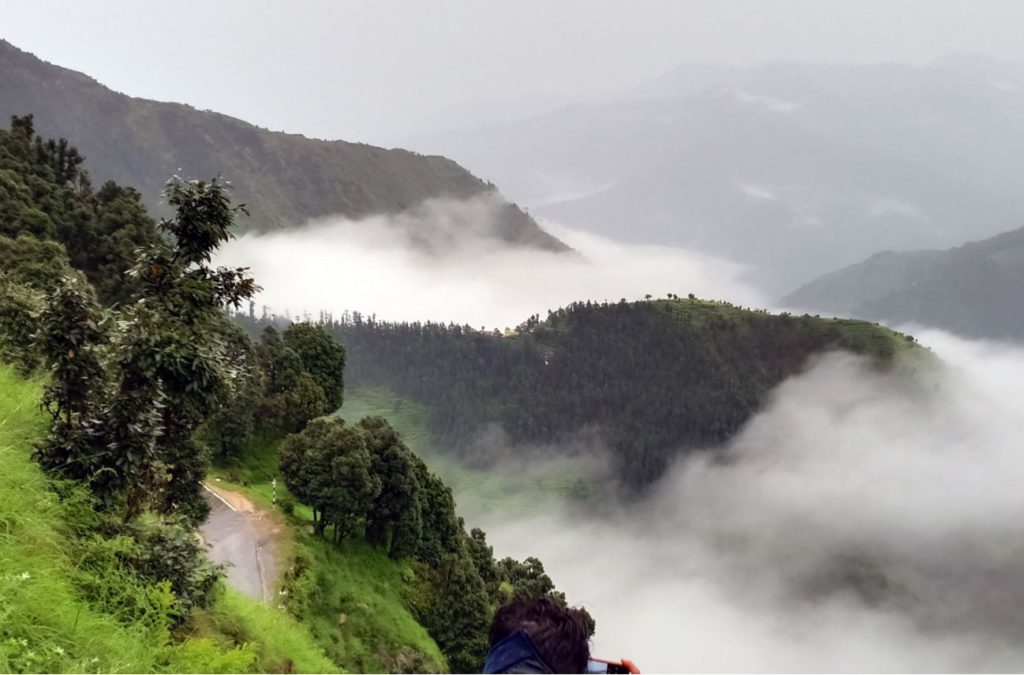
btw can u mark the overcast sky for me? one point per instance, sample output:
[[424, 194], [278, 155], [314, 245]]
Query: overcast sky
[[378, 70]]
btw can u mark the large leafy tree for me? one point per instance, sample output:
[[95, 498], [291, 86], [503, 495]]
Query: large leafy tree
[[167, 363], [394, 521], [69, 339], [329, 467], [291, 394], [321, 357], [30, 268], [173, 331], [458, 612]]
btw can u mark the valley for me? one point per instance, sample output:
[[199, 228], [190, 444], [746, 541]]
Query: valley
[[722, 372]]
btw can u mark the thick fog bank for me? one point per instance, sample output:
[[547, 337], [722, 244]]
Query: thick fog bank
[[855, 525], [445, 264]]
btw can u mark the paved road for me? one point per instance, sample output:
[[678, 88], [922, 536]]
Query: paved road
[[242, 540]]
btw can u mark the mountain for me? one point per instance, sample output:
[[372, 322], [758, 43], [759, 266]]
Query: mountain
[[793, 170], [648, 379], [975, 290], [285, 179]]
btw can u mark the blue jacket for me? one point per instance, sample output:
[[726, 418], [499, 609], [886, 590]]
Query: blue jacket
[[515, 654]]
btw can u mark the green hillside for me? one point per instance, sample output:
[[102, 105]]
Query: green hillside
[[518, 488], [66, 605], [642, 382], [972, 290], [285, 179]]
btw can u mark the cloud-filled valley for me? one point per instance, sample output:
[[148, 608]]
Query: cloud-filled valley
[[859, 523], [444, 264]]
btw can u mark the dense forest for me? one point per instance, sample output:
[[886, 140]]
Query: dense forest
[[653, 378], [145, 384]]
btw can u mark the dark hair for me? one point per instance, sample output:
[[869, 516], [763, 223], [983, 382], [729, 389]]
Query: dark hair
[[558, 633]]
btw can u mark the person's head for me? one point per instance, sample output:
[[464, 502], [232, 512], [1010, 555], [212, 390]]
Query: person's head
[[558, 634]]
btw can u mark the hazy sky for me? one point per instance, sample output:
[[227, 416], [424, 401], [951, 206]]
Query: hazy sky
[[378, 70]]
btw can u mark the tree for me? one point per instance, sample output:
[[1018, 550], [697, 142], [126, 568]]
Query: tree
[[482, 555], [458, 613], [394, 521], [329, 467], [230, 428], [46, 194], [441, 529], [31, 269], [166, 364], [173, 337], [292, 396], [68, 340], [526, 579], [321, 357]]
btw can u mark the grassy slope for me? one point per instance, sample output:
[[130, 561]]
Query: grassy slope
[[542, 482], [509, 489], [353, 596], [45, 623]]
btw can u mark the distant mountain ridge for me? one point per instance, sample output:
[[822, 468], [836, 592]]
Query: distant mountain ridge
[[975, 290], [285, 179], [792, 170]]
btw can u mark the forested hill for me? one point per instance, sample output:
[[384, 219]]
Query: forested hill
[[652, 379], [285, 179], [972, 290]]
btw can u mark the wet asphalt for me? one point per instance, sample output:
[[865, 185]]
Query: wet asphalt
[[233, 539]]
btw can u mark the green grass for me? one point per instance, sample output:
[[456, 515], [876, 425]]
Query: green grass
[[519, 488], [358, 582], [44, 625], [276, 641], [355, 601], [47, 622], [353, 598]]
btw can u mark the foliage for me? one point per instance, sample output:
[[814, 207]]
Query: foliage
[[31, 269], [19, 309], [68, 600], [409, 513], [394, 520], [354, 599], [168, 365], [33, 262], [167, 550], [457, 612], [69, 338], [653, 378], [297, 371], [45, 193], [329, 467], [321, 357], [230, 428]]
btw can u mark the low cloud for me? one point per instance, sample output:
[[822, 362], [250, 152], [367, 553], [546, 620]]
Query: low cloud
[[857, 524], [442, 262]]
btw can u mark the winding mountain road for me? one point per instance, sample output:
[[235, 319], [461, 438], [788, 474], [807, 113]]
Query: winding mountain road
[[244, 539]]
